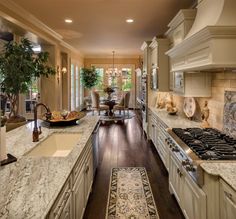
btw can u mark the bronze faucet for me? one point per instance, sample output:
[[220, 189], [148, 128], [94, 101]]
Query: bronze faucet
[[36, 131]]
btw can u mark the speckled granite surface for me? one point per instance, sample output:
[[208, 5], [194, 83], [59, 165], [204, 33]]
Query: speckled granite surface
[[175, 121], [226, 170], [30, 186]]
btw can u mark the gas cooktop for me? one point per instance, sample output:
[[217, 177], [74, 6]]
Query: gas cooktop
[[208, 144]]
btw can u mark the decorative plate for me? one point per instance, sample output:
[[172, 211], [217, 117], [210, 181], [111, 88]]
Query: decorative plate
[[189, 106]]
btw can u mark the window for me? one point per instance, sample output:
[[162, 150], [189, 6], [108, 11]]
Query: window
[[81, 92], [72, 87], [32, 96], [126, 79], [77, 87]]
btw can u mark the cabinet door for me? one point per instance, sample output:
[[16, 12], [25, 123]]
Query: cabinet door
[[88, 176], [79, 196], [154, 58], [175, 179], [227, 201], [67, 212], [194, 200]]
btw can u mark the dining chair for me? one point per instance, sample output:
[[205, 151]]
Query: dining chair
[[96, 104], [123, 104]]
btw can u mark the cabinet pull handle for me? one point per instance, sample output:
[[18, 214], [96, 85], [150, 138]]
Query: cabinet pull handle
[[87, 169], [229, 195]]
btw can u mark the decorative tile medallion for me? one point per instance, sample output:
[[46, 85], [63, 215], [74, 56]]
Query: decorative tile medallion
[[230, 113], [130, 195]]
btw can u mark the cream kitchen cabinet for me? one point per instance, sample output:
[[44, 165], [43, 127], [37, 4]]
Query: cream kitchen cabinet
[[175, 179], [72, 200], [157, 134], [191, 198], [192, 84], [79, 196], [227, 201], [159, 65]]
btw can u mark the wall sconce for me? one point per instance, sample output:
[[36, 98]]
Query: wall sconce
[[63, 70]]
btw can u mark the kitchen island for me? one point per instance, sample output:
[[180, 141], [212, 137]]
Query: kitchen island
[[30, 187]]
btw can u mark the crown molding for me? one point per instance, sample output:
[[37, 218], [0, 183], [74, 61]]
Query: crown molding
[[30, 18], [182, 15], [25, 15], [145, 45]]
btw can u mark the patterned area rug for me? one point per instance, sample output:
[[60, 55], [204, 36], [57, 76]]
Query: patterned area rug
[[130, 195]]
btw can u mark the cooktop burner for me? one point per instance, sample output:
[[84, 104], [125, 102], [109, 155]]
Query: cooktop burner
[[208, 144]]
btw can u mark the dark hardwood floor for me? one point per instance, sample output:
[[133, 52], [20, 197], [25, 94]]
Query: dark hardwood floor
[[124, 145]]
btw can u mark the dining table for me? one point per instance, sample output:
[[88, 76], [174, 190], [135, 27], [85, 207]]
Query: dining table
[[111, 104]]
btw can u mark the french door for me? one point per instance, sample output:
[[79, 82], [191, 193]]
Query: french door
[[125, 81]]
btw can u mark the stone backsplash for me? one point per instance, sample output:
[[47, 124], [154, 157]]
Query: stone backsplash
[[221, 82]]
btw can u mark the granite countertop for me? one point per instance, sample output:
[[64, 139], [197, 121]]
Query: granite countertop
[[30, 186], [225, 170], [174, 121]]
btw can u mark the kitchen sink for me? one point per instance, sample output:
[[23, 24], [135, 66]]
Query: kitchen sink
[[55, 145]]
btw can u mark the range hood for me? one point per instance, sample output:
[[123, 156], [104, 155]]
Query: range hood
[[211, 42]]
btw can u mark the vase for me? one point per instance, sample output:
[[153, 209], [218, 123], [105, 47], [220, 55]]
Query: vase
[[3, 150]]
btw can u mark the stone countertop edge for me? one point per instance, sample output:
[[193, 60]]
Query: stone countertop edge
[[30, 186], [174, 121], [224, 169]]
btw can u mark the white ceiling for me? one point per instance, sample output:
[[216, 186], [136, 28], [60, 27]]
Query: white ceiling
[[99, 25]]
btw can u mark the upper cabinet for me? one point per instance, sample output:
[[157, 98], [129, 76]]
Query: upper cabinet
[[146, 56], [192, 84], [159, 64]]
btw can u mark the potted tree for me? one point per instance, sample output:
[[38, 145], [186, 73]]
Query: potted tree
[[19, 66], [89, 77]]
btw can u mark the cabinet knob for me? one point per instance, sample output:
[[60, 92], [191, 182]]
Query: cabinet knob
[[229, 195]]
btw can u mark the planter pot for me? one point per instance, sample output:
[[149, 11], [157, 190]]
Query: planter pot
[[14, 125], [3, 150]]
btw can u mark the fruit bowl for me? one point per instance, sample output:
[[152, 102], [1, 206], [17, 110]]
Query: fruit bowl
[[65, 119]]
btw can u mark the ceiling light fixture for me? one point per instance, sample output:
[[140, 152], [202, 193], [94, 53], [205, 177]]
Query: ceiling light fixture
[[113, 72], [68, 21], [129, 20]]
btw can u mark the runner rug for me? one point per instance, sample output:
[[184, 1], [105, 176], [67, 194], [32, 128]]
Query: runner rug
[[130, 195]]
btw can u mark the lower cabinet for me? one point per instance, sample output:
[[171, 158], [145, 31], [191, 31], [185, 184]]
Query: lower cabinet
[[227, 201], [72, 200], [158, 134], [193, 200], [79, 196], [175, 179], [190, 197]]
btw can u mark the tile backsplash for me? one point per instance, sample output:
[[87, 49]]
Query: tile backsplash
[[221, 82], [230, 113]]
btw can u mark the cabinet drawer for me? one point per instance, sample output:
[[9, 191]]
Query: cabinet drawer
[[61, 201]]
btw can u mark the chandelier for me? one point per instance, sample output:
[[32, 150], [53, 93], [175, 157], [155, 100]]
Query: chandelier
[[113, 72]]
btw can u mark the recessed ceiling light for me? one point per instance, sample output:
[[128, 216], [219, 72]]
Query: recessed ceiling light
[[68, 20], [129, 20]]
